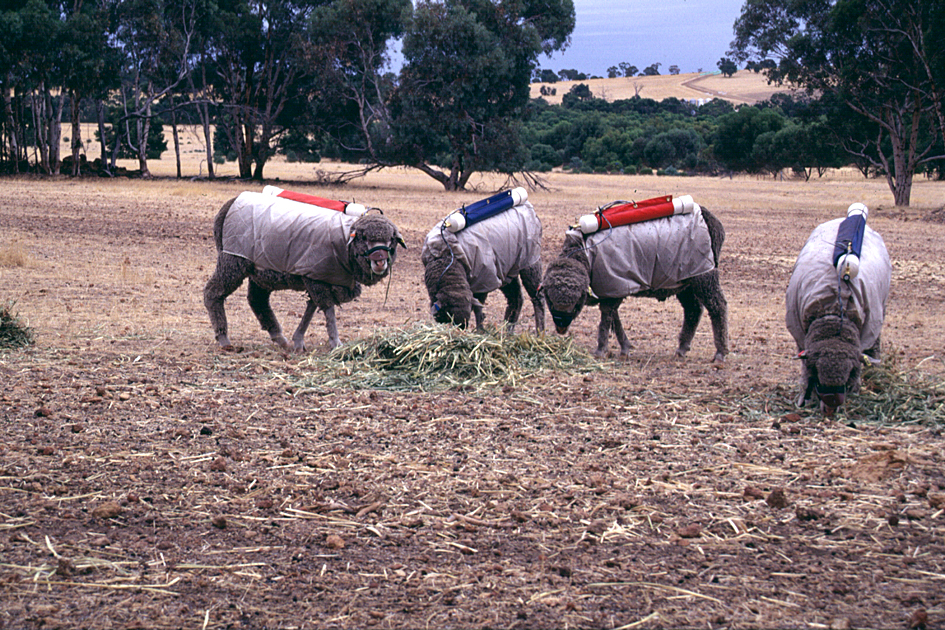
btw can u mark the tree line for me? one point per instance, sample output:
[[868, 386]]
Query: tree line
[[311, 78], [299, 75]]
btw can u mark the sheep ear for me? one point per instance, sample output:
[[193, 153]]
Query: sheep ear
[[477, 303], [400, 240]]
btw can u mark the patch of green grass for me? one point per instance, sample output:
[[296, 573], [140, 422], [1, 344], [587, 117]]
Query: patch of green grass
[[13, 332]]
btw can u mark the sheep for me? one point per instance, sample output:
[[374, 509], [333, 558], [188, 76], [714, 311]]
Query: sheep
[[287, 245], [460, 269], [657, 258], [834, 321]]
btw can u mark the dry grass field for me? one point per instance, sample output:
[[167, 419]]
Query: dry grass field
[[743, 87], [149, 480]]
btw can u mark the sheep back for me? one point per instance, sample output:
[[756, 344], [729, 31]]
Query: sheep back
[[814, 285], [493, 251], [656, 255], [290, 237]]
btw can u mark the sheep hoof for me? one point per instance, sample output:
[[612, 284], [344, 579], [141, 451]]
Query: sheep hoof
[[719, 358], [282, 342]]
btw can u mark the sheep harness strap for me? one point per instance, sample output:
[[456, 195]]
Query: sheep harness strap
[[815, 289], [290, 237], [658, 254], [493, 251]]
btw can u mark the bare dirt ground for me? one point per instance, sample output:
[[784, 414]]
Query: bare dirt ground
[[149, 480]]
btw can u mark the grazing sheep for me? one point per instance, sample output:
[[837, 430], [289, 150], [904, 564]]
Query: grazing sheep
[[460, 269], [658, 258], [286, 245], [836, 321]]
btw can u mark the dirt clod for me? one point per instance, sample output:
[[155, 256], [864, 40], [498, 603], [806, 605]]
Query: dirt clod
[[109, 509], [777, 499]]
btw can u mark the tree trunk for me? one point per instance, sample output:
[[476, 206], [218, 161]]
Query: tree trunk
[[41, 143], [176, 140], [208, 137], [100, 111], [244, 151], [144, 126], [55, 133], [11, 132], [76, 134]]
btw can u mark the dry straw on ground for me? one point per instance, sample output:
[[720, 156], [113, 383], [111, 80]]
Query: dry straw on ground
[[431, 357]]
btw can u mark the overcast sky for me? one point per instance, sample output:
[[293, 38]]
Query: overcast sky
[[691, 34]]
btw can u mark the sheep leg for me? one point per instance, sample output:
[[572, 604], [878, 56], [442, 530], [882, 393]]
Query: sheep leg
[[708, 291], [807, 386], [625, 344], [259, 302], [227, 278], [531, 278], [717, 307], [298, 337], [478, 300], [874, 352], [513, 296], [692, 313], [610, 320], [331, 325]]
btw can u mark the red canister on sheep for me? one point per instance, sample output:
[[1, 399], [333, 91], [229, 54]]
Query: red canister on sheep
[[349, 208], [629, 212]]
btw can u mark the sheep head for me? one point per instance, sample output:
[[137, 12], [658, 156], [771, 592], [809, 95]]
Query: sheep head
[[451, 298], [372, 247], [565, 289], [832, 365]]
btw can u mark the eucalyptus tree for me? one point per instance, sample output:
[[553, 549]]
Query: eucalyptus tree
[[352, 87], [155, 39], [261, 55], [31, 80], [880, 58], [464, 85], [89, 64]]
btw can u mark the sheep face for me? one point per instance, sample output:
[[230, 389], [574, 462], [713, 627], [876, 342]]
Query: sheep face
[[372, 248], [832, 367], [565, 288]]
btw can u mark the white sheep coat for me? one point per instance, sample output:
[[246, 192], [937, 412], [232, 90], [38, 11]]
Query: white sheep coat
[[659, 254], [494, 251], [812, 290], [290, 237]]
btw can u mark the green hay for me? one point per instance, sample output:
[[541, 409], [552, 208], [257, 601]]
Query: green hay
[[432, 357], [13, 332], [890, 394]]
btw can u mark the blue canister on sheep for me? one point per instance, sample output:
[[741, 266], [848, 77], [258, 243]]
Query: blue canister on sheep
[[485, 246], [835, 306]]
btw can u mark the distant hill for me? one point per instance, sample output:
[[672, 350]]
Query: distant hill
[[744, 86]]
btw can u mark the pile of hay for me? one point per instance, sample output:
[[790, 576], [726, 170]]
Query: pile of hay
[[13, 332], [890, 394], [431, 357]]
